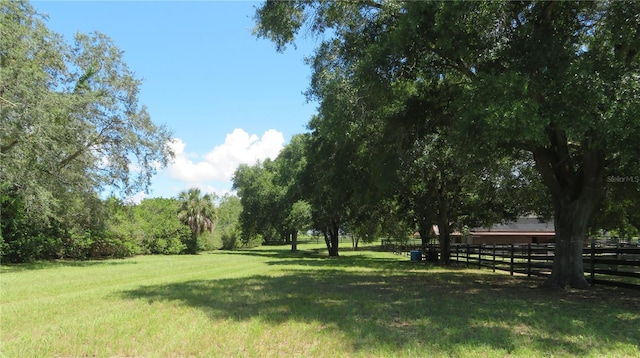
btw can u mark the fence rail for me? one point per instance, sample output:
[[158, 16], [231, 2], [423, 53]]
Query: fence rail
[[612, 265]]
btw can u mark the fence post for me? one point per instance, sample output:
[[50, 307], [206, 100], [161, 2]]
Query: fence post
[[593, 263], [494, 257], [480, 256], [468, 249], [529, 260], [512, 254], [617, 254]]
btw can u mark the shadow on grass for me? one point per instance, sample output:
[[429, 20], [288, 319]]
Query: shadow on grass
[[41, 265], [318, 258], [437, 310]]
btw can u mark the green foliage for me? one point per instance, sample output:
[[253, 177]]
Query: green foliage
[[111, 246], [209, 241], [231, 239], [488, 81], [272, 196], [198, 212], [299, 217], [160, 230], [619, 207], [229, 209], [151, 227], [261, 198], [71, 127]]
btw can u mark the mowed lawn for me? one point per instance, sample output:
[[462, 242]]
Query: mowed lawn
[[267, 302]]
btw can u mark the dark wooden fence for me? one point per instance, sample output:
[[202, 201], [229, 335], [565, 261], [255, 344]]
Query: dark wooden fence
[[402, 247], [604, 264]]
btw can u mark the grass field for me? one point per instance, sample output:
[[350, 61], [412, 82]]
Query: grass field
[[267, 302]]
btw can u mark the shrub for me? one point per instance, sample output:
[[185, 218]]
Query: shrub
[[209, 241], [174, 246], [112, 246], [230, 239]]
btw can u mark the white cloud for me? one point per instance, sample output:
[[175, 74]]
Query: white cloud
[[136, 198], [219, 164]]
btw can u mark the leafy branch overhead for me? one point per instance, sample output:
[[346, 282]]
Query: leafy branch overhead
[[72, 128], [556, 83], [71, 116]]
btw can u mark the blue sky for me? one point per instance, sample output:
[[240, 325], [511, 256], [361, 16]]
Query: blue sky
[[229, 97]]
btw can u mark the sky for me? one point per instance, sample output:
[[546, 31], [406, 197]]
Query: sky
[[228, 97]]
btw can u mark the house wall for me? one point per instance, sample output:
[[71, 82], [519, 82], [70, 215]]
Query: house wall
[[512, 239]]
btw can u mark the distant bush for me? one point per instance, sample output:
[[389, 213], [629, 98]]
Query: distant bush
[[230, 239], [111, 246], [210, 241], [252, 241]]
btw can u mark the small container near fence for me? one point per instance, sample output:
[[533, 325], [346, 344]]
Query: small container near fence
[[416, 255]]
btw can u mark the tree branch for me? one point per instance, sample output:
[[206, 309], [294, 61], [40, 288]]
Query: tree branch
[[456, 64], [564, 165], [64, 162], [544, 162], [13, 104]]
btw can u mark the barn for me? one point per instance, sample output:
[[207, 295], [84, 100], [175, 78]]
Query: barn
[[525, 230]]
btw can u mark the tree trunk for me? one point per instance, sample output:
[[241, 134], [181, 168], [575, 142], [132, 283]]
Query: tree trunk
[[294, 240], [355, 240], [426, 233], [331, 237], [444, 228], [335, 232], [445, 243], [423, 230], [327, 239], [575, 183], [571, 228], [192, 245]]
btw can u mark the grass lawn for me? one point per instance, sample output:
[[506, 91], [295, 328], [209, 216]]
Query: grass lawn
[[267, 302]]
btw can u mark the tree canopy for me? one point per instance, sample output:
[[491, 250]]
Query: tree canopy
[[72, 125], [557, 80], [198, 212]]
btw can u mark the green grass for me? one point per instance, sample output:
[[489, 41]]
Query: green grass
[[267, 302]]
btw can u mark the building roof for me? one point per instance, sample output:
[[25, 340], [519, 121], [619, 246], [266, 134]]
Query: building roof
[[525, 226], [522, 225], [514, 233]]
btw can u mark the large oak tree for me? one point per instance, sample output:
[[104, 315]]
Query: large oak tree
[[71, 125], [560, 80]]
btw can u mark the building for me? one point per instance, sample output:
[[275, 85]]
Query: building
[[526, 230]]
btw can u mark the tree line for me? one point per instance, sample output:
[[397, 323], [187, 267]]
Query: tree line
[[72, 130], [191, 223], [460, 113], [454, 114]]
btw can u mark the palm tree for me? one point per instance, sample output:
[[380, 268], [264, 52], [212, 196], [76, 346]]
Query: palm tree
[[198, 212]]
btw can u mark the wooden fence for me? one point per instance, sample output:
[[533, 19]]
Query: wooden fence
[[604, 264]]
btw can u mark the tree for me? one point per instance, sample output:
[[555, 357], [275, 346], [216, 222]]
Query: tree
[[198, 212], [71, 122], [229, 210], [332, 179], [298, 219], [290, 167], [619, 207], [368, 132], [228, 226], [158, 227], [261, 198], [556, 79], [341, 151], [272, 195]]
